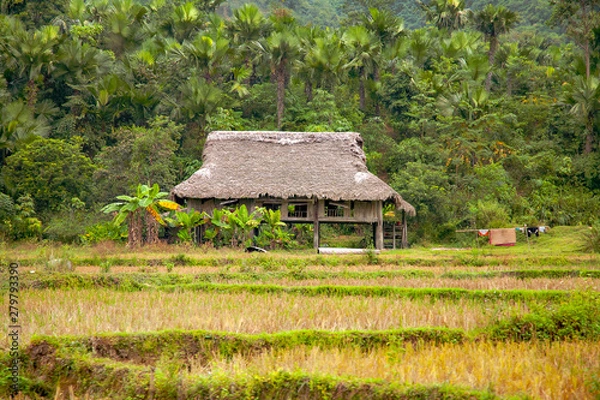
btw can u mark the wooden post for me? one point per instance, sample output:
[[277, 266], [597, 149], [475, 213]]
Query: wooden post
[[316, 224], [379, 227], [404, 231], [394, 235]]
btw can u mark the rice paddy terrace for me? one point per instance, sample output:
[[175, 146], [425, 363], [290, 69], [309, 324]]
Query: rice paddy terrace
[[170, 322]]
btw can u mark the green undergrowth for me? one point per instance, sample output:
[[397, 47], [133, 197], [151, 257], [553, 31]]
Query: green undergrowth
[[138, 281], [147, 348], [577, 319], [102, 378], [377, 291], [279, 261], [133, 366], [524, 274]]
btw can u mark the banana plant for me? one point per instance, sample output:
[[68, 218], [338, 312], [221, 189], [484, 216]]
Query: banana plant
[[219, 223], [188, 221], [243, 223], [141, 210], [272, 233]]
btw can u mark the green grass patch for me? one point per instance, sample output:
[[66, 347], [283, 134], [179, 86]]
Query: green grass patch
[[578, 319], [524, 274], [104, 378], [140, 281], [378, 291], [148, 348]]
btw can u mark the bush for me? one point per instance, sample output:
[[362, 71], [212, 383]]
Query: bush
[[69, 226], [578, 319], [591, 239], [104, 231], [489, 214]]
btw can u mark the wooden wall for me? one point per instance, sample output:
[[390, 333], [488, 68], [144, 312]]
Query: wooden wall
[[349, 211]]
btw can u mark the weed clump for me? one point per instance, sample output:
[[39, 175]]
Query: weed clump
[[578, 319], [591, 239]]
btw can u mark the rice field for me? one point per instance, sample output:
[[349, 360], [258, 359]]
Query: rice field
[[85, 312], [539, 370], [89, 313]]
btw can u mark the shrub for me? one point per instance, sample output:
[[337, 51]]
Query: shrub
[[574, 320], [104, 231], [591, 239]]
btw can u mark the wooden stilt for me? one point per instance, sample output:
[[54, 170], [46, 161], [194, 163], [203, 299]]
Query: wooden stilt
[[379, 227], [404, 231], [316, 224]]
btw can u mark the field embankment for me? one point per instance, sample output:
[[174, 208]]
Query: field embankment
[[172, 323]]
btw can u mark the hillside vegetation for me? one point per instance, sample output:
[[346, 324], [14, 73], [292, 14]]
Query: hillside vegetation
[[480, 116]]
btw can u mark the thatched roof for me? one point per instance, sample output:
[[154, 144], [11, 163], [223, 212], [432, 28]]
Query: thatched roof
[[324, 165]]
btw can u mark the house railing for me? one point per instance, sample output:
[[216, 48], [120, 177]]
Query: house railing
[[334, 212], [298, 214]]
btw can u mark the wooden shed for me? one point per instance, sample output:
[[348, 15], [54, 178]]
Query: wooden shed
[[312, 177]]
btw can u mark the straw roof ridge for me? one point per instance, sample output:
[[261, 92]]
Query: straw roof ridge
[[324, 165]]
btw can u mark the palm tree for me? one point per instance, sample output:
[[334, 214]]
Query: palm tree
[[280, 49], [363, 48], [580, 20], [469, 103], [326, 58], [448, 15], [31, 55], [492, 22], [199, 99], [384, 25], [124, 25], [247, 26], [206, 53], [584, 98], [79, 63], [18, 122], [419, 45], [185, 21]]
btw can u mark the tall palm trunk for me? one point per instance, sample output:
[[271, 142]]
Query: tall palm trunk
[[491, 59], [280, 78], [308, 90], [589, 138], [31, 93], [361, 88]]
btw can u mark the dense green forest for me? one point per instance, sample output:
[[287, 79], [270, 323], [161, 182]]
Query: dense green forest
[[479, 115]]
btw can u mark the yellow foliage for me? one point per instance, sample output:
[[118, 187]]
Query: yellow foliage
[[155, 214], [168, 205]]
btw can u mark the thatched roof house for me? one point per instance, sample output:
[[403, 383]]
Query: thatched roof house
[[321, 174]]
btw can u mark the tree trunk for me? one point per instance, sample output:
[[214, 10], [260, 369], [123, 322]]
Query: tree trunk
[[308, 90], [134, 229], [589, 138], [151, 229], [361, 89], [32, 91], [491, 59], [280, 78], [376, 79]]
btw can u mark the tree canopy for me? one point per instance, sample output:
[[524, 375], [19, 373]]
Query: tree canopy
[[475, 110]]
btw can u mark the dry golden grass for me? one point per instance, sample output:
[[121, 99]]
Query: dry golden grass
[[85, 312], [438, 270], [541, 370], [500, 283]]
